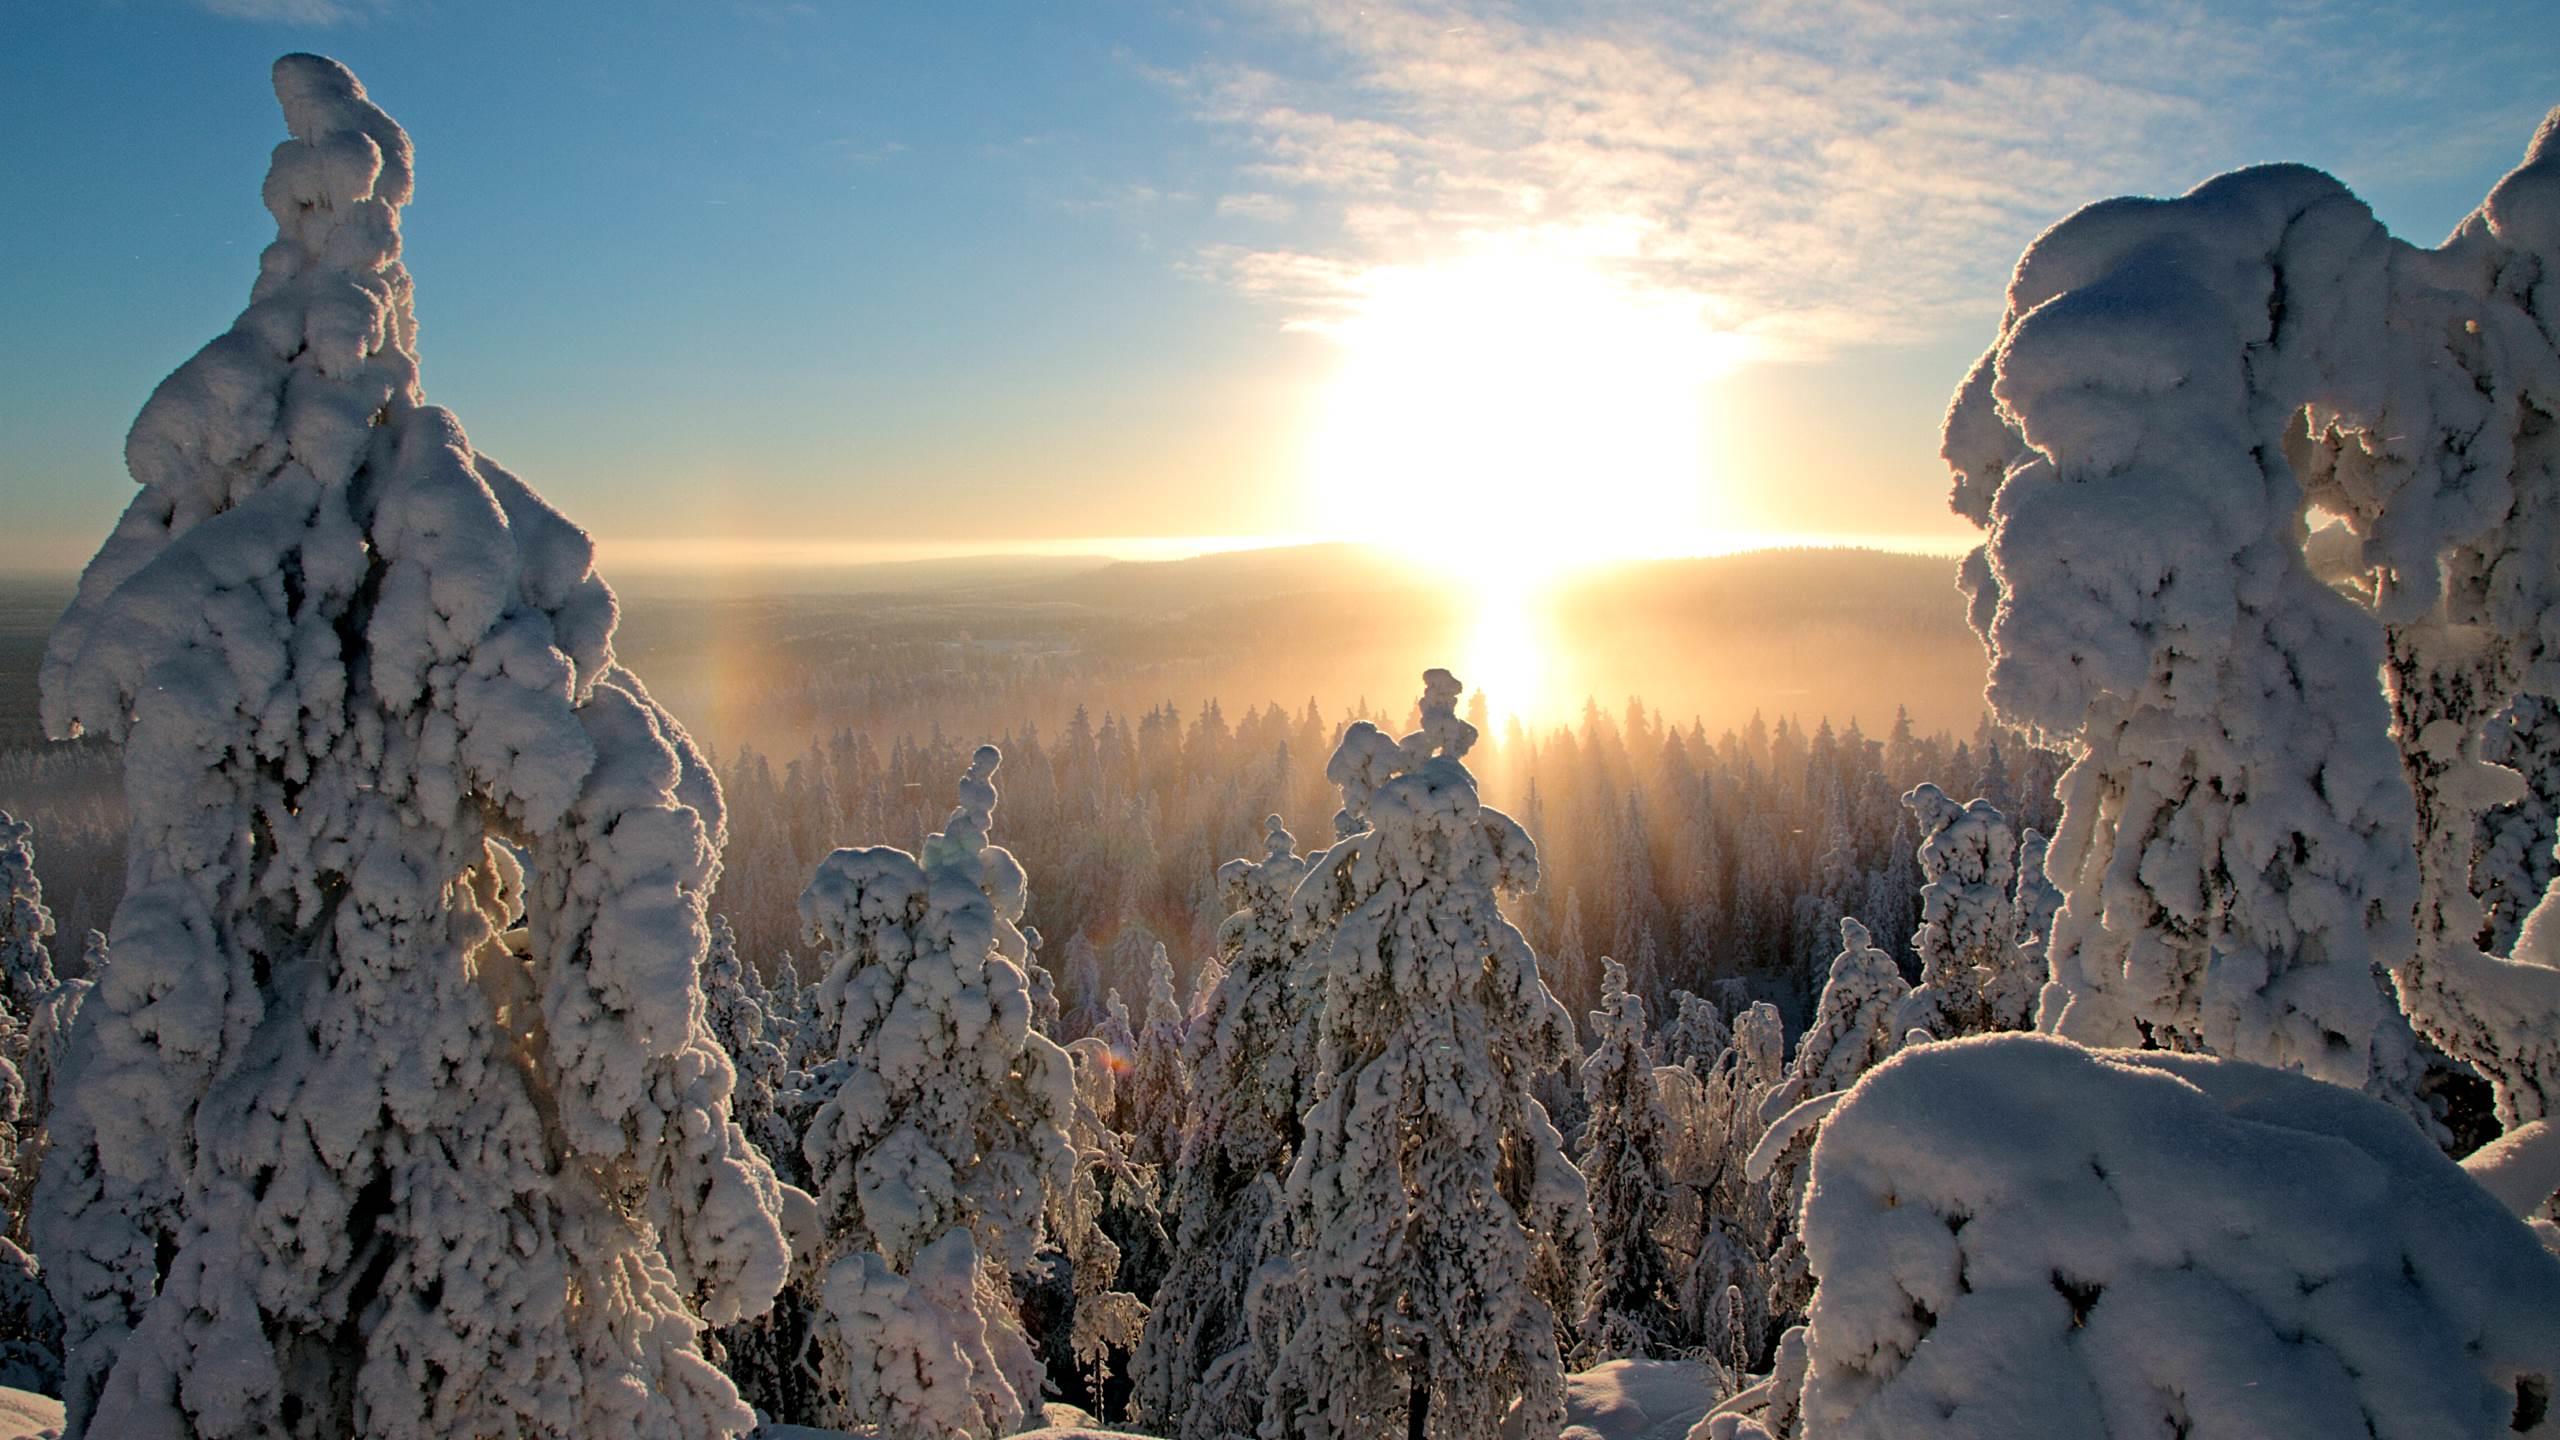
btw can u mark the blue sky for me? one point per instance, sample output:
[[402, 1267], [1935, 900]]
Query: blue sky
[[973, 276]]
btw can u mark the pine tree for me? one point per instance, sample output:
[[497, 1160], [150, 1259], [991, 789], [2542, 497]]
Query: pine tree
[[944, 1134], [1623, 1145], [353, 1151], [1436, 1227]]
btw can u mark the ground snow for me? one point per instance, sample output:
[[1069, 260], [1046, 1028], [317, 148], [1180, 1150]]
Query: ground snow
[[1637, 1400], [1622, 1400]]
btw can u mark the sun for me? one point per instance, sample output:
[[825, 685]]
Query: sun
[[1509, 416], [1517, 411]]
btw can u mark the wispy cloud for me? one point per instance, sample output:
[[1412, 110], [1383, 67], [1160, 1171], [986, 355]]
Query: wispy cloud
[[1257, 206], [1812, 174], [295, 12]]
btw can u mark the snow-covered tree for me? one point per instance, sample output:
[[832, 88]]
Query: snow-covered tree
[[2248, 1252], [1045, 1012], [377, 1132], [1571, 968], [1437, 1229], [1697, 1035], [1626, 1314], [2511, 857], [1855, 1024], [1160, 1080], [26, 958], [28, 998], [2239, 842], [1080, 985], [944, 1136], [750, 1028], [1249, 1065], [1730, 1228], [1097, 1316], [1975, 974]]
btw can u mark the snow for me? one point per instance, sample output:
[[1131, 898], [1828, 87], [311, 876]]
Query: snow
[[942, 1144], [1430, 1202], [1637, 1400], [2019, 1237], [1246, 1053], [401, 1050], [2253, 825], [1975, 974]]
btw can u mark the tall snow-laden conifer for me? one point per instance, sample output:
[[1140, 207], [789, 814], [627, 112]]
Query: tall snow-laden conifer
[[1626, 1315], [1436, 1226], [377, 1134], [26, 926], [943, 1139], [1854, 1026], [1160, 1082], [752, 1031], [2239, 842], [29, 995], [1976, 972], [1249, 1063]]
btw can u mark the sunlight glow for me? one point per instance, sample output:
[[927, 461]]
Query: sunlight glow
[[1519, 411], [1512, 415]]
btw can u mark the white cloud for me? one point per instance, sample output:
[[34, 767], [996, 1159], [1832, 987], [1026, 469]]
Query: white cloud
[[1815, 174]]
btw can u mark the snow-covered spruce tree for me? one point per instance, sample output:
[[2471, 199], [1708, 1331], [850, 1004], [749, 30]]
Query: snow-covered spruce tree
[[1077, 1310], [1697, 1035], [1437, 1230], [349, 1152], [743, 1021], [2249, 1252], [944, 1136], [1854, 1024], [1045, 1014], [2511, 857], [1248, 1058], [26, 959], [2174, 383], [1160, 1080], [28, 994], [32, 1005], [1736, 1226], [1626, 1315], [2038, 902], [1080, 987], [1975, 976]]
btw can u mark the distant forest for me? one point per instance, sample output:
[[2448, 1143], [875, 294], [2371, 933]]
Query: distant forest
[[1699, 823]]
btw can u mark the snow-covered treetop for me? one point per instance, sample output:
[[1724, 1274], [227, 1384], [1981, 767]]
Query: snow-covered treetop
[[952, 1109], [2175, 381], [1973, 975], [1368, 759], [1853, 1024], [425, 873], [2116, 1245]]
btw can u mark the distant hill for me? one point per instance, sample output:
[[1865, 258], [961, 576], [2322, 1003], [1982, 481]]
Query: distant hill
[[1161, 587]]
